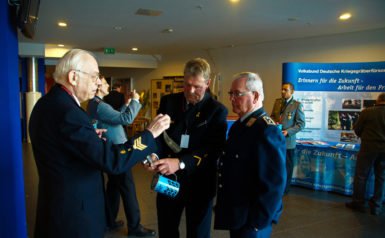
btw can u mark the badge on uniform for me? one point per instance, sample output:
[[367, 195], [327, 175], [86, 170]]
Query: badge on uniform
[[138, 145], [268, 120], [251, 121], [184, 141], [198, 114]]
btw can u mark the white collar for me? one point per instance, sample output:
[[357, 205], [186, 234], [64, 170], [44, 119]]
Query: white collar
[[76, 99]]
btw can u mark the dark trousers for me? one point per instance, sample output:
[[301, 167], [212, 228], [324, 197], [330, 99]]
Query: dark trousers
[[365, 162], [198, 216], [250, 232], [289, 167], [122, 185]]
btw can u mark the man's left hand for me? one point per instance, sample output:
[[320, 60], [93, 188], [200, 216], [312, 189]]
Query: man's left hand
[[167, 166]]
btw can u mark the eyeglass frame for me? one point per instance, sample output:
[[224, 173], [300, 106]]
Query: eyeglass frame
[[94, 78], [238, 94]]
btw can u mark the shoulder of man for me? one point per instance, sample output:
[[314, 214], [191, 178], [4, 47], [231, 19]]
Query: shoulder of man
[[260, 121], [92, 106], [278, 100], [277, 104], [296, 102], [94, 102]]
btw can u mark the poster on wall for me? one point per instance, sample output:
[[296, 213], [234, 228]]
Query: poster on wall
[[333, 95]]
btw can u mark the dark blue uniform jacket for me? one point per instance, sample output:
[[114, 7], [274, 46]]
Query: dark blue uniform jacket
[[206, 125], [251, 175], [70, 158]]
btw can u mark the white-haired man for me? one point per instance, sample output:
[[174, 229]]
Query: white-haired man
[[70, 155], [251, 170]]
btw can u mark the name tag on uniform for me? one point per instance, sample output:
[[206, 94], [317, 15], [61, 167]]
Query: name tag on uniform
[[184, 141]]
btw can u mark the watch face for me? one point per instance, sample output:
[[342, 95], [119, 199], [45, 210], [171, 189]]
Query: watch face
[[182, 165]]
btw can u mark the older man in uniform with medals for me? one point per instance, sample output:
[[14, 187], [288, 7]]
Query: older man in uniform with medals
[[289, 113], [251, 171]]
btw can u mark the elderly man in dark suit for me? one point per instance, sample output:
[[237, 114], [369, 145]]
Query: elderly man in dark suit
[[251, 170], [289, 113], [70, 156]]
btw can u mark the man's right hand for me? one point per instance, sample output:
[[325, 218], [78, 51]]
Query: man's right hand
[[134, 95], [159, 124]]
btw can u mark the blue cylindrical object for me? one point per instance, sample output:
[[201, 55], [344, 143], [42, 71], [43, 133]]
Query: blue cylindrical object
[[165, 185]]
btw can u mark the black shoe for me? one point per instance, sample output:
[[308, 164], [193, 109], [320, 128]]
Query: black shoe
[[376, 211], [356, 206], [116, 225], [141, 231]]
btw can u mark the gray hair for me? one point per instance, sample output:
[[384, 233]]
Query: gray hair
[[198, 66], [253, 82], [71, 60]]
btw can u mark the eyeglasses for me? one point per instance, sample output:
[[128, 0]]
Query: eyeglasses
[[94, 77], [238, 94]]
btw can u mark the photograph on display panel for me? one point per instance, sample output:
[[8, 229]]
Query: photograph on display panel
[[342, 120]]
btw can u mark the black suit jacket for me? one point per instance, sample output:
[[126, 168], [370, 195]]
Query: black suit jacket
[[206, 125], [70, 158], [115, 99]]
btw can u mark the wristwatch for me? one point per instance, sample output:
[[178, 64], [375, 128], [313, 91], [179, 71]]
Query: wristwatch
[[182, 165]]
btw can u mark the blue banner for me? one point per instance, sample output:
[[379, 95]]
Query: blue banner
[[340, 77], [327, 169], [333, 95]]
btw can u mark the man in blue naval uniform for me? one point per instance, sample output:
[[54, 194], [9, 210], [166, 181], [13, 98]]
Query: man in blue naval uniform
[[70, 156], [289, 113], [251, 171], [190, 149]]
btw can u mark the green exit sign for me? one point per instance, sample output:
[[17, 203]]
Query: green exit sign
[[109, 51]]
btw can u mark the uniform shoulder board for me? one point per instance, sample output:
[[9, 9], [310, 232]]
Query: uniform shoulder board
[[268, 120], [251, 121]]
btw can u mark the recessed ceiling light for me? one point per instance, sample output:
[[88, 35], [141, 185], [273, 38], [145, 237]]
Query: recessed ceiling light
[[292, 19], [60, 45], [168, 30], [118, 28], [148, 12], [345, 16], [62, 24], [134, 49], [234, 1]]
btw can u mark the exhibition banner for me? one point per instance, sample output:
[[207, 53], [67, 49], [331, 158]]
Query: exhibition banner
[[333, 95], [326, 168]]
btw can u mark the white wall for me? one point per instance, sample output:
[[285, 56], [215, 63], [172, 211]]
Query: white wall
[[267, 58]]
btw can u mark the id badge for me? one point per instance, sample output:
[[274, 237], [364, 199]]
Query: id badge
[[184, 141]]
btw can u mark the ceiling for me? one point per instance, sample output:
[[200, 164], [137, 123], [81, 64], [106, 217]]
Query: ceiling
[[197, 24]]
